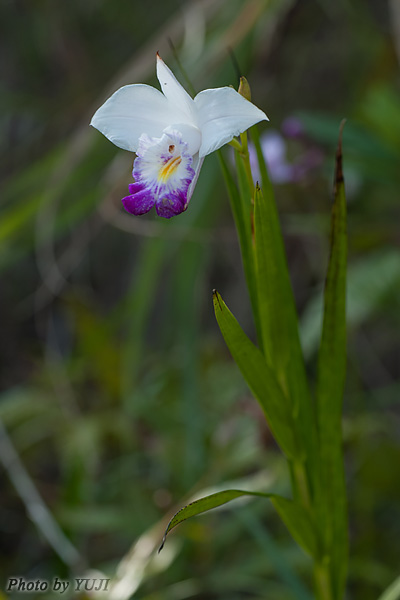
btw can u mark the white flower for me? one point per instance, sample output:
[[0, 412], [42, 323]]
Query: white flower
[[171, 134]]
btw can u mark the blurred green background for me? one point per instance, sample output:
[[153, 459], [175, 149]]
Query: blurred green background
[[119, 400]]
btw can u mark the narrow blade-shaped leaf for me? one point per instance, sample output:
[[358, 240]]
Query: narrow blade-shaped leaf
[[331, 378], [260, 378], [203, 505], [278, 318], [241, 210], [294, 516], [276, 303]]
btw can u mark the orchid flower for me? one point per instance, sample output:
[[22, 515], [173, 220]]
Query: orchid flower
[[171, 133]]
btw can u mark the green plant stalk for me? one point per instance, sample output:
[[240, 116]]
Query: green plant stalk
[[279, 322], [324, 571], [300, 478], [332, 504], [245, 156], [300, 483], [242, 216], [322, 581]]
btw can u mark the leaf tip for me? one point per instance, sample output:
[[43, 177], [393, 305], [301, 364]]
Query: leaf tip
[[216, 299], [339, 157], [166, 532], [162, 543]]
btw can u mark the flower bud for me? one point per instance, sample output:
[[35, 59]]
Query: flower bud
[[244, 89]]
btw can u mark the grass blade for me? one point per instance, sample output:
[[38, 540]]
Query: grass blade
[[203, 505], [293, 515], [277, 308], [281, 340], [331, 378], [241, 210], [259, 376]]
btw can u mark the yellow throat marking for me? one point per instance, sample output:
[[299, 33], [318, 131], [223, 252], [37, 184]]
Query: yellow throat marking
[[169, 168]]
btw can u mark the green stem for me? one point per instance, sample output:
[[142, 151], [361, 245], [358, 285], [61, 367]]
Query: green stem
[[302, 492], [322, 572], [301, 483], [323, 585], [245, 156], [235, 144]]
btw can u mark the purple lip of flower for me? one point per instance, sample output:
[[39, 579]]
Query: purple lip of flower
[[163, 174]]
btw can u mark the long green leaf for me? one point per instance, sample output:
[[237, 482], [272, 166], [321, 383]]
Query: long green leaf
[[203, 505], [331, 378], [241, 210], [277, 308], [293, 515], [281, 340], [259, 376]]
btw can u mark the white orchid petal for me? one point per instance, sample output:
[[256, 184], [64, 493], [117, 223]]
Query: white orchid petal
[[223, 114], [131, 111], [175, 92]]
